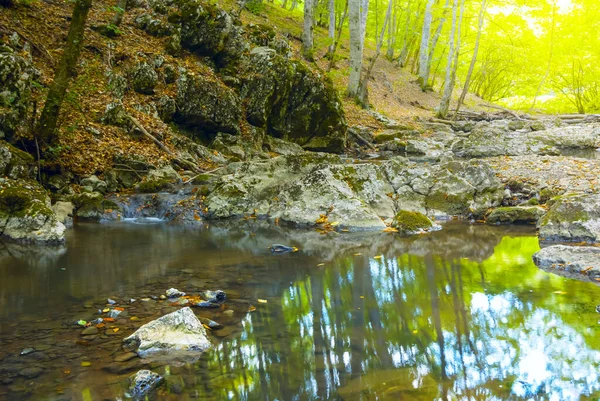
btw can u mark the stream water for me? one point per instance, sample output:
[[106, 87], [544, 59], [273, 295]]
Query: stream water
[[460, 314]]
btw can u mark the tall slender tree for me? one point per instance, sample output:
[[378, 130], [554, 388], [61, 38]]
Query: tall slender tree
[[465, 90], [424, 50], [452, 63], [356, 49], [307, 35], [48, 123], [331, 32]]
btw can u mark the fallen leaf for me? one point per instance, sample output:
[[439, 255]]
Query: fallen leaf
[[119, 309], [390, 230], [82, 323], [106, 310], [251, 308], [358, 254], [85, 364], [321, 264], [560, 292], [262, 301], [134, 318], [100, 325], [109, 319], [115, 329], [378, 257]]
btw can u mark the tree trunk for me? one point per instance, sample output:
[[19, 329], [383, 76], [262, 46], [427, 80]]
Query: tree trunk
[[465, 90], [405, 38], [294, 5], [392, 32], [424, 51], [364, 13], [356, 50], [537, 92], [284, 4], [118, 18], [331, 33], [436, 38], [450, 67], [364, 83], [337, 39], [307, 35], [48, 123]]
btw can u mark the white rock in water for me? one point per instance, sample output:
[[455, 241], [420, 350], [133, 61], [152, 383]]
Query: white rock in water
[[177, 331], [142, 383], [174, 293]]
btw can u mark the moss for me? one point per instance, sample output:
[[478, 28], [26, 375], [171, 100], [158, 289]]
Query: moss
[[411, 222], [451, 204], [23, 198], [152, 186], [519, 214], [563, 210]]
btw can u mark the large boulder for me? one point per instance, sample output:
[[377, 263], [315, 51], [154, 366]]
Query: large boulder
[[16, 77], [407, 222], [210, 31], [572, 218], [292, 102], [516, 214], [582, 262], [144, 78], [175, 334], [207, 104], [25, 213], [14, 163]]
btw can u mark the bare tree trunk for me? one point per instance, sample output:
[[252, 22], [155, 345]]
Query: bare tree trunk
[[436, 37], [452, 61], [284, 4], [465, 90], [331, 33], [307, 35], [364, 83], [364, 13], [118, 18], [424, 51], [337, 39], [537, 92], [48, 123], [294, 5], [356, 49], [405, 38], [392, 32]]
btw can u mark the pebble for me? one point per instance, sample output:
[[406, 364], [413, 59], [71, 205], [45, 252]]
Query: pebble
[[31, 373], [27, 351], [89, 331], [125, 357], [111, 301]]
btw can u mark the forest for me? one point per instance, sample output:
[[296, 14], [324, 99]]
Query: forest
[[530, 55]]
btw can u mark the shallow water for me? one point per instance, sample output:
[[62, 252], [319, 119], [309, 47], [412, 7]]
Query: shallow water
[[457, 314]]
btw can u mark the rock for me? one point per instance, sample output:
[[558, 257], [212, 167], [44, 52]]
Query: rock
[[90, 331], [154, 25], [166, 108], [64, 212], [281, 147], [125, 357], [174, 293], [95, 183], [118, 85], [210, 31], [279, 248], [31, 373], [180, 331], [265, 36], [217, 296], [517, 214], [26, 215], [407, 222], [17, 75], [144, 78], [159, 179], [15, 163], [206, 104], [170, 74], [581, 262], [293, 102], [211, 323], [91, 206], [142, 383], [572, 218], [115, 114]]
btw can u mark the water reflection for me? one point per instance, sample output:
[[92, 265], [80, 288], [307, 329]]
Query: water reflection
[[459, 314]]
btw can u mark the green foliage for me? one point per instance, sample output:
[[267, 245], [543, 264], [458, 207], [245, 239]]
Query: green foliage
[[255, 6]]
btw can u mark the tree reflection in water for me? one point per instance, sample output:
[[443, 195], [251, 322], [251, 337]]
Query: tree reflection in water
[[419, 328]]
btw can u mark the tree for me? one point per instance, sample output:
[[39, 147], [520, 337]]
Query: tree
[[356, 49], [424, 50], [537, 92], [465, 90], [452, 64], [307, 35], [364, 82], [48, 123], [331, 32]]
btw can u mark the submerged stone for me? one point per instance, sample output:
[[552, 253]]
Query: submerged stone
[[517, 214], [407, 222], [572, 218], [581, 262], [142, 383]]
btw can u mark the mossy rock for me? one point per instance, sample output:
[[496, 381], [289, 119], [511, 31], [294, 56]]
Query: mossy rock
[[91, 206], [515, 215], [572, 217], [23, 198], [407, 222], [152, 186]]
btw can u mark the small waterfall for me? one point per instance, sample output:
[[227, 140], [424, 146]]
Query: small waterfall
[[149, 208]]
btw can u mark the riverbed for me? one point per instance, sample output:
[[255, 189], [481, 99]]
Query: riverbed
[[462, 313]]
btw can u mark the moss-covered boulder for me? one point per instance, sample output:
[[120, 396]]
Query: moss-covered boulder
[[515, 215], [407, 222], [159, 180], [25, 213], [14, 163], [210, 31], [206, 104], [144, 78], [292, 102], [92, 206], [16, 77], [572, 218]]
